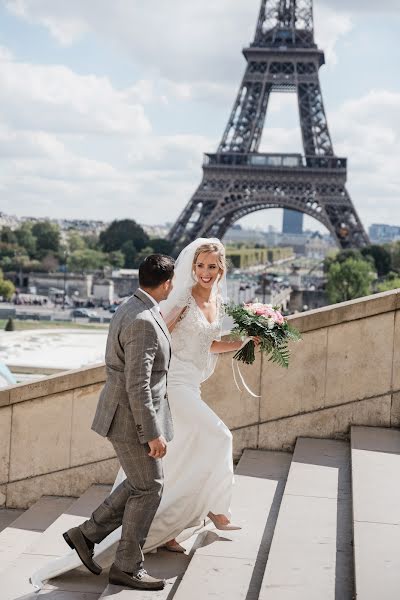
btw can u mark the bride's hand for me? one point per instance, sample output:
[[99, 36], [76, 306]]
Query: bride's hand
[[254, 338]]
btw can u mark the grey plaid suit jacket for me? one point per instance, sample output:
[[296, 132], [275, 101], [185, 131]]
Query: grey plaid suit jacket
[[134, 400]]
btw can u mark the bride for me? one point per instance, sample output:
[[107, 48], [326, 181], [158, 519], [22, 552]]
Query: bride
[[198, 468]]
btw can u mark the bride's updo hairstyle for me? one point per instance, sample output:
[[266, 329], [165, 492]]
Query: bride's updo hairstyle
[[212, 247]]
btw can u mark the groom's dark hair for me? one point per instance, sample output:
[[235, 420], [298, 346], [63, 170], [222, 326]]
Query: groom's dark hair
[[155, 270]]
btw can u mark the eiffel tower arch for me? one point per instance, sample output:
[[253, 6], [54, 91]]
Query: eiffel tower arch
[[238, 179]]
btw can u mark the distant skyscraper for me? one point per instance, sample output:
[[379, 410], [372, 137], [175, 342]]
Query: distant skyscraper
[[380, 232], [292, 221]]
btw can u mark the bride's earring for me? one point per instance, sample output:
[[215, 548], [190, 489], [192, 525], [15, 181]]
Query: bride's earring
[[194, 277]]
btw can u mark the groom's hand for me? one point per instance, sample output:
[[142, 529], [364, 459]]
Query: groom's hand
[[158, 447]]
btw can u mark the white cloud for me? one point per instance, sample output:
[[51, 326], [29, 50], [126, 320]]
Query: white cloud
[[330, 26], [367, 130], [53, 97], [74, 145]]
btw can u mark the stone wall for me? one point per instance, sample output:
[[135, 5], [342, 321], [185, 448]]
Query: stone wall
[[344, 372]]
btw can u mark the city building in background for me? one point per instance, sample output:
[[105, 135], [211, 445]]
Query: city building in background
[[244, 257], [382, 233]]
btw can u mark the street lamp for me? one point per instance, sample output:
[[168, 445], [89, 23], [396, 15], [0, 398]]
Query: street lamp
[[65, 278]]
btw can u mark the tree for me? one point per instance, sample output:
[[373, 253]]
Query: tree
[[161, 246], [75, 241], [349, 279], [142, 255], [381, 257], [7, 288], [340, 257], [391, 283], [120, 232], [116, 259], [92, 241], [7, 235], [50, 263], [129, 251], [86, 260], [394, 250], [9, 250], [47, 238], [26, 239]]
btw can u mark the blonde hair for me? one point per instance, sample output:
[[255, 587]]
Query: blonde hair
[[212, 247]]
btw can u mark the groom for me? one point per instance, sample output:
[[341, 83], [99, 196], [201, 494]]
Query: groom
[[133, 413]]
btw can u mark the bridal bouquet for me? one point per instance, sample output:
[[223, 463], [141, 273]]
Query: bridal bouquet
[[267, 323]]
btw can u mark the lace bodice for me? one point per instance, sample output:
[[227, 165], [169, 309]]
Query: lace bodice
[[193, 335]]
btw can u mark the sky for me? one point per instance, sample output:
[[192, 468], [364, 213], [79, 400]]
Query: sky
[[106, 108]]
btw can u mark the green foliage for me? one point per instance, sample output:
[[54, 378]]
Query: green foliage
[[26, 239], [49, 263], [394, 250], [47, 238], [129, 252], [86, 260], [9, 325], [380, 256], [8, 250], [7, 235], [349, 279], [7, 288], [75, 241], [116, 259], [37, 246], [120, 232], [92, 241], [340, 257], [391, 283], [142, 255], [161, 246]]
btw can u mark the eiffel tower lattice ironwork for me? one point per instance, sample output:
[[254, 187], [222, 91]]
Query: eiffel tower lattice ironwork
[[238, 179]]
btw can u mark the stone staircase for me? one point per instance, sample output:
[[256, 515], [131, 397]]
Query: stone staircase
[[299, 513]]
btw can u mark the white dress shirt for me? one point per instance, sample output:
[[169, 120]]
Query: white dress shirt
[[151, 298]]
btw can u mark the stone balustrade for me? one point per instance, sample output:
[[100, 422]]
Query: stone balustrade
[[344, 372]]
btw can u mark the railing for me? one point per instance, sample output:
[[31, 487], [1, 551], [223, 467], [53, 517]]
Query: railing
[[283, 161]]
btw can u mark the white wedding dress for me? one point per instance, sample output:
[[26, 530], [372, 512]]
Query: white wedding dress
[[198, 467]]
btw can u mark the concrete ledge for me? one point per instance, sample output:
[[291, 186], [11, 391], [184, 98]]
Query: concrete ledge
[[68, 380], [360, 308]]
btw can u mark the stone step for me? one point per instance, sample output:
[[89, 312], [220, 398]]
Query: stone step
[[28, 526], [163, 564], [375, 457], [219, 564], [230, 564], [311, 551], [50, 544], [7, 516]]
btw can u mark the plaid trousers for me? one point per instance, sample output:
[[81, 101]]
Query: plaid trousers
[[133, 504]]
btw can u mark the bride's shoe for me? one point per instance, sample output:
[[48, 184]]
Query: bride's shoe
[[173, 546], [222, 522]]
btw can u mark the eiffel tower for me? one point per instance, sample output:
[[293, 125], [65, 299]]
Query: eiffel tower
[[238, 179]]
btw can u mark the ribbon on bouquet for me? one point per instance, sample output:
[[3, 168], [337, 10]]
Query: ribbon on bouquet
[[235, 366]]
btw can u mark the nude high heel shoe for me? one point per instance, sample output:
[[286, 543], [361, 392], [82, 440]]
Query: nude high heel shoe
[[222, 526], [173, 546]]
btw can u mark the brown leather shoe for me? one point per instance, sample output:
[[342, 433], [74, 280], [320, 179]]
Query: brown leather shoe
[[76, 540], [140, 580]]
